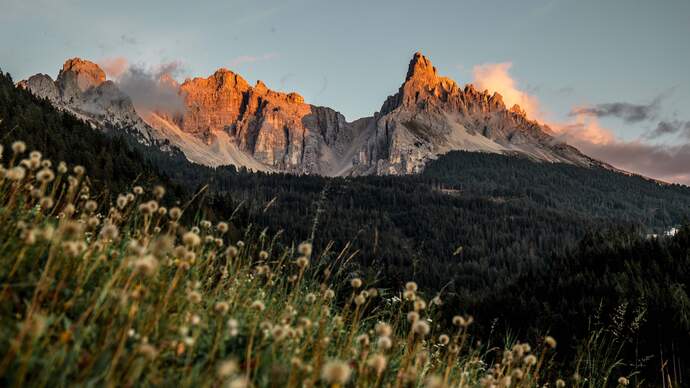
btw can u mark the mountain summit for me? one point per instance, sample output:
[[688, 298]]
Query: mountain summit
[[226, 121]]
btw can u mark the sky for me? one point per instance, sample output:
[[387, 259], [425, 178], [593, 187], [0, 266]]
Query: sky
[[611, 77]]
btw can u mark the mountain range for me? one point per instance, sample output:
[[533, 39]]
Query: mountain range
[[224, 120]]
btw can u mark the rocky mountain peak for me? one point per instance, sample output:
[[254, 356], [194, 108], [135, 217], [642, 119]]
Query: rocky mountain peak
[[420, 68], [86, 73]]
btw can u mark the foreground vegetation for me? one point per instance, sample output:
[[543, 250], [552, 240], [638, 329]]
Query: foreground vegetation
[[125, 293]]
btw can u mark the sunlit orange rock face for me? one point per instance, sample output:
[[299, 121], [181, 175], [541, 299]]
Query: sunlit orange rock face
[[431, 115], [277, 129]]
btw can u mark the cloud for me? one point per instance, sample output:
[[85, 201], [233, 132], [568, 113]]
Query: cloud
[[669, 163], [670, 128], [153, 88], [251, 59], [629, 113], [495, 77], [113, 67]]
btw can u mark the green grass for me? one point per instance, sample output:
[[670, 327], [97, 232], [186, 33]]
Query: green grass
[[126, 294]]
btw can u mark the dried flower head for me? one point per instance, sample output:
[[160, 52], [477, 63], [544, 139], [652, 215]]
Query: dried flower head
[[302, 262], [191, 239], [336, 372], [377, 363], [18, 147], [304, 249], [356, 283], [421, 327]]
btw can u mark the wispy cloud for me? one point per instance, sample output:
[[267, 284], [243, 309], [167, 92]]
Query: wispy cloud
[[496, 77], [629, 113], [151, 88], [666, 162], [670, 128], [114, 67], [243, 59]]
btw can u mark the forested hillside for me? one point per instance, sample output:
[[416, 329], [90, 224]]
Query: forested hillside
[[535, 246]]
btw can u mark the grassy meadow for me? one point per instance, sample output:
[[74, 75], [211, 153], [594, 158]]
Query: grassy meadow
[[134, 293]]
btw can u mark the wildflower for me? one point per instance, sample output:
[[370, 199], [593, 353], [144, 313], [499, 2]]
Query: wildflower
[[175, 213], [194, 296], [413, 316], [356, 283], [302, 262], [16, 173], [121, 201], [46, 163], [409, 295], [279, 332], [360, 299], [383, 329], [162, 211], [304, 249], [550, 341], [93, 222], [159, 192], [560, 383], [263, 255], [45, 175], [623, 381], [146, 265], [363, 340], [147, 351], [433, 381], [191, 239], [258, 305], [90, 206], [18, 147], [222, 227], [227, 368], [411, 286], [421, 327], [79, 170], [195, 320], [443, 339], [46, 202], [35, 155], [205, 224], [138, 190], [530, 360], [222, 308], [329, 294], [384, 343], [62, 168], [517, 374], [419, 305], [336, 372], [231, 252], [310, 298], [233, 327], [239, 382], [377, 362]]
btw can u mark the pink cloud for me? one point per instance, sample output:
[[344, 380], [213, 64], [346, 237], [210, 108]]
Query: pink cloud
[[495, 77], [114, 67], [663, 162]]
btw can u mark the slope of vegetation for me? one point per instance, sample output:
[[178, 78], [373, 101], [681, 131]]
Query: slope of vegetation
[[126, 294], [527, 248]]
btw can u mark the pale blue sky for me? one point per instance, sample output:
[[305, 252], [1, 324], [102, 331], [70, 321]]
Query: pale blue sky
[[350, 55]]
